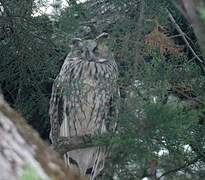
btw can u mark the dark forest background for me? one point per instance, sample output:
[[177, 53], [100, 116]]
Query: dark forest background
[[160, 55]]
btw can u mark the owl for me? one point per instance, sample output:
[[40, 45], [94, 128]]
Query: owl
[[81, 100]]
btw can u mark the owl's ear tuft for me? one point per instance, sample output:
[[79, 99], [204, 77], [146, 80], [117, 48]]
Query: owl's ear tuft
[[99, 39], [75, 42]]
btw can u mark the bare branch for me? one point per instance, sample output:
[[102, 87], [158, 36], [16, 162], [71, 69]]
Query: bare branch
[[191, 10], [184, 37]]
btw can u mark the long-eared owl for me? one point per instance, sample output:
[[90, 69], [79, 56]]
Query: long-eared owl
[[81, 100]]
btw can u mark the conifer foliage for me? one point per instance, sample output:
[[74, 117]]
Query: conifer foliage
[[161, 131]]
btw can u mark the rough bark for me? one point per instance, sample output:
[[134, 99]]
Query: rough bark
[[24, 154]]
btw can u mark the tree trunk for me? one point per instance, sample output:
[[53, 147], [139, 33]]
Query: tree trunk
[[23, 155]]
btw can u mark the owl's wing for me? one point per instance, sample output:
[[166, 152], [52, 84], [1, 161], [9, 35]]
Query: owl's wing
[[56, 101], [55, 110]]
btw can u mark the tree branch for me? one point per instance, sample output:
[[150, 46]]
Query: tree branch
[[138, 59], [65, 144], [183, 37], [184, 166], [197, 101], [191, 11]]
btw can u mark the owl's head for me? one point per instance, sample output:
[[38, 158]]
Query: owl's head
[[90, 50]]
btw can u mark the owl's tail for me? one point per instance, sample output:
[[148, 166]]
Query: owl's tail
[[89, 161]]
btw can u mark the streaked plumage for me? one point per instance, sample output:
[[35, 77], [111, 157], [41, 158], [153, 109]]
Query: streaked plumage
[[81, 97]]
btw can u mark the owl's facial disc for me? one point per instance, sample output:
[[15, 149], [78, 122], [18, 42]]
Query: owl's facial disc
[[89, 55], [89, 50]]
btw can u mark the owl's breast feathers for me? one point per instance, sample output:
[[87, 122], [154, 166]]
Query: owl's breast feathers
[[86, 89], [78, 69]]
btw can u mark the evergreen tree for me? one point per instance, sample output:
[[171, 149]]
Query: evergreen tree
[[161, 98], [160, 130], [29, 61]]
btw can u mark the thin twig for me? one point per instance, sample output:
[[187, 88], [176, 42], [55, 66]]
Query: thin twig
[[197, 100], [184, 37], [184, 166], [140, 29]]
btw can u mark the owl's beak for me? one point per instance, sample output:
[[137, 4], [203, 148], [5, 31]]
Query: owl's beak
[[90, 56]]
